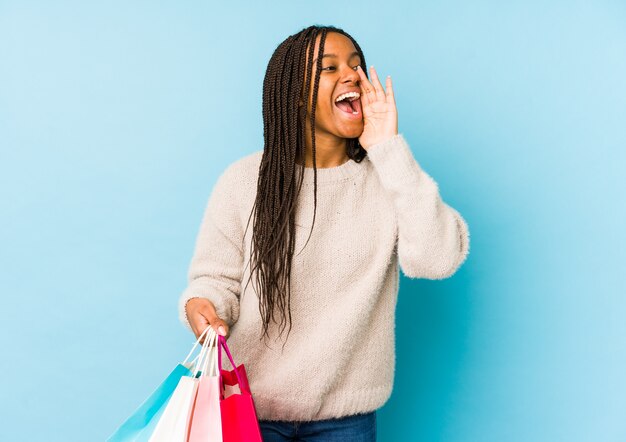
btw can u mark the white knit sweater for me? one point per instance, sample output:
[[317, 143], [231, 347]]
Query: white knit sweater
[[371, 217]]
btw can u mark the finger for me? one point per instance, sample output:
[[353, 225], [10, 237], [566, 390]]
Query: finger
[[362, 81], [210, 337], [190, 320], [206, 318], [366, 87], [389, 94], [201, 323], [218, 324], [378, 88], [220, 327]]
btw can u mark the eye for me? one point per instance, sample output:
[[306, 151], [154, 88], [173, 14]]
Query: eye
[[333, 67]]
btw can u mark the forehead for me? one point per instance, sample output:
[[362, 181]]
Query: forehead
[[335, 43]]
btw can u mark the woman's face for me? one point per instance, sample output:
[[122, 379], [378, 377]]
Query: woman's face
[[337, 77]]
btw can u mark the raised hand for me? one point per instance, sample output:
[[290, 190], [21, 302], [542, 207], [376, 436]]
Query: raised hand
[[379, 110]]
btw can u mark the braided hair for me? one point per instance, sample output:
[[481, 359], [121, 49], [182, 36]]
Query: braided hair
[[273, 239]]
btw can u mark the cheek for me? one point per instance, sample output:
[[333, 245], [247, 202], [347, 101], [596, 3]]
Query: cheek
[[323, 110], [325, 99], [324, 105]]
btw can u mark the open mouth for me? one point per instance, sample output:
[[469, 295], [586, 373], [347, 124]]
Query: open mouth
[[350, 105]]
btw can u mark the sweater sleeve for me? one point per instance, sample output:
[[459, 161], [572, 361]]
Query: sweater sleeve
[[215, 270], [433, 238]]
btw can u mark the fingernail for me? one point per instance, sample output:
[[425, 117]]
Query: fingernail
[[221, 330]]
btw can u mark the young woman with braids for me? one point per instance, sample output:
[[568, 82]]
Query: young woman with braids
[[338, 204]]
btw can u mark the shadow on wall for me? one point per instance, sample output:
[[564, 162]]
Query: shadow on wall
[[431, 331]]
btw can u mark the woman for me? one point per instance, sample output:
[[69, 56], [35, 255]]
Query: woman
[[326, 243]]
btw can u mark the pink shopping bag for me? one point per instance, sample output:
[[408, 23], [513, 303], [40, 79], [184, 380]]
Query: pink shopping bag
[[239, 417], [206, 419]]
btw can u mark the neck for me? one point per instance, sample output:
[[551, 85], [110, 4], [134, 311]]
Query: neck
[[330, 151]]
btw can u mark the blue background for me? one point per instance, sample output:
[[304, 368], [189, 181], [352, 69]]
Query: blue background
[[116, 120]]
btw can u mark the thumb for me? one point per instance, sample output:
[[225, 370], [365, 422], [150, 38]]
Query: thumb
[[220, 327], [218, 324]]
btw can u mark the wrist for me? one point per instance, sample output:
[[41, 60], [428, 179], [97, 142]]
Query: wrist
[[187, 304]]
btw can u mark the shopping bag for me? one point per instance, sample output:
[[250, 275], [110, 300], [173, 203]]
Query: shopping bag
[[206, 420], [239, 417], [138, 427], [173, 425], [146, 415]]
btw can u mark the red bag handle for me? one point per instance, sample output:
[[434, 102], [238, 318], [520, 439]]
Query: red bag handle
[[222, 343]]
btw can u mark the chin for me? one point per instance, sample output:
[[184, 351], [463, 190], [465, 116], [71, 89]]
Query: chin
[[354, 132]]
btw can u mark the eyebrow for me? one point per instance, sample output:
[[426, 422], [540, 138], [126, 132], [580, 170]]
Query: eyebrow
[[335, 56]]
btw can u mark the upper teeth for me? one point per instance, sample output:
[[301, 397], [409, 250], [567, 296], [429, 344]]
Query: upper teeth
[[353, 95]]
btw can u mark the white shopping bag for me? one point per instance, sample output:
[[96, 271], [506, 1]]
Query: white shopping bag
[[173, 426]]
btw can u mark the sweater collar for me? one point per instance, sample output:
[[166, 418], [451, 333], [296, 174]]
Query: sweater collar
[[332, 174]]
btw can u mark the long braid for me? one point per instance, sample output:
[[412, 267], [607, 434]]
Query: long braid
[[274, 229]]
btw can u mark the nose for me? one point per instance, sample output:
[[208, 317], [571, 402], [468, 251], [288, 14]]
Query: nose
[[349, 74]]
